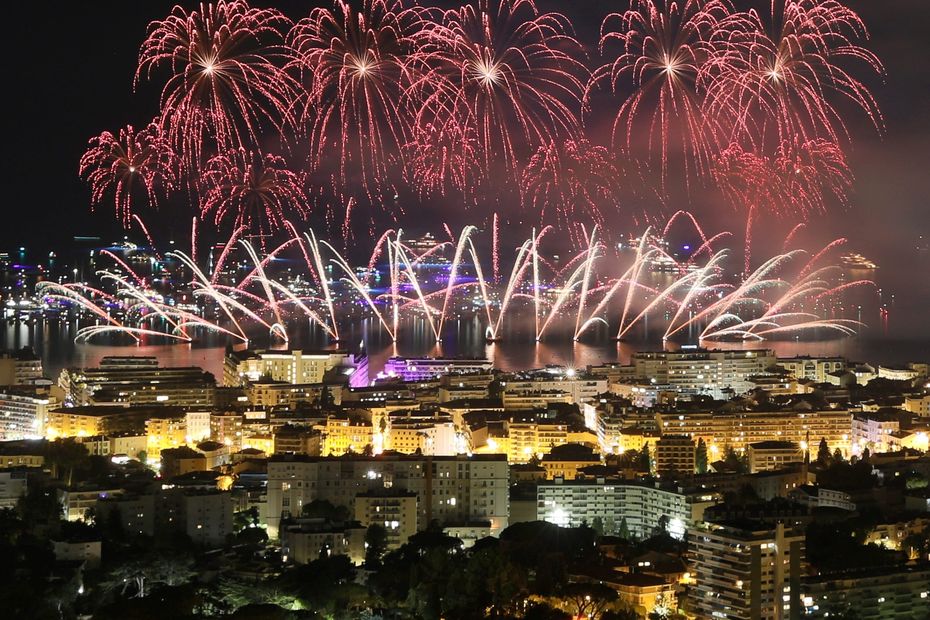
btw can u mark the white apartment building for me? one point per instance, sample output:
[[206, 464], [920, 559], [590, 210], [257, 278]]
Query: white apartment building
[[720, 374], [449, 489], [644, 509], [745, 574]]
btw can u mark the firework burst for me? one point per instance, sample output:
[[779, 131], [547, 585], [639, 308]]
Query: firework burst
[[568, 178], [787, 75], [257, 191], [127, 163], [359, 65], [662, 46], [510, 74], [224, 77]]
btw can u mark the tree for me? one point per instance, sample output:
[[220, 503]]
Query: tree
[[375, 545], [624, 530], [64, 455], [823, 453], [644, 462], [838, 456], [597, 524], [587, 600], [323, 509], [326, 398], [700, 457]]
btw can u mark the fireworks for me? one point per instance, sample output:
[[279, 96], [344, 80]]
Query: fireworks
[[663, 47], [787, 72], [225, 81], [256, 191], [377, 107], [359, 65], [568, 178], [511, 75], [789, 293], [128, 163]]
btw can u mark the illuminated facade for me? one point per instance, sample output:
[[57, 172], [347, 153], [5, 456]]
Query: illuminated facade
[[450, 489], [612, 503], [745, 574]]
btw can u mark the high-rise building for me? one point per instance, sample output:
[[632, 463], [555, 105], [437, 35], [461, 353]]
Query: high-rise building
[[721, 374], [449, 489], [746, 572], [24, 410], [615, 505], [675, 454]]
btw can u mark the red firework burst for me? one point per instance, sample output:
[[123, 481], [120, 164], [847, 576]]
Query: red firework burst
[[225, 80], [126, 164], [257, 191], [440, 160], [568, 178], [788, 75], [510, 74], [360, 64], [810, 172], [662, 48]]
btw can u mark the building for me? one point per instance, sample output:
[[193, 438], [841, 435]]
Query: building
[[138, 381], [890, 593], [296, 367], [180, 461], [164, 433], [737, 429], [918, 403], [873, 430], [290, 439], [616, 505], [306, 540], [745, 572], [411, 369], [814, 496], [24, 410], [721, 374], [13, 485], [564, 461], [814, 369], [449, 489], [771, 455], [89, 420], [393, 509], [675, 454], [350, 433], [22, 454], [20, 367], [263, 393]]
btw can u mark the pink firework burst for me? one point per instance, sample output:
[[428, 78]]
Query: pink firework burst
[[257, 191], [126, 164], [568, 178], [789, 74], [440, 160], [810, 173], [225, 78], [359, 65], [662, 47], [510, 74]]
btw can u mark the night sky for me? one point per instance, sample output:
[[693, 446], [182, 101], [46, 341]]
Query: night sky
[[69, 75]]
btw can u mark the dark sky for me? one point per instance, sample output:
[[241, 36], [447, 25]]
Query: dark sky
[[69, 75]]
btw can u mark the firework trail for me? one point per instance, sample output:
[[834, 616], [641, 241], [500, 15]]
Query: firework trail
[[130, 162], [225, 81]]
